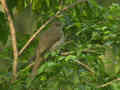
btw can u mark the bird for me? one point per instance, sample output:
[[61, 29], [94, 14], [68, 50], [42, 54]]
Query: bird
[[49, 40]]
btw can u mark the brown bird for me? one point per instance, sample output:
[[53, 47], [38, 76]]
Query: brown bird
[[49, 40]]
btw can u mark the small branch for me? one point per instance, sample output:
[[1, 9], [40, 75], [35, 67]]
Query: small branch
[[66, 53], [14, 44], [46, 23], [86, 66], [72, 5], [108, 83], [34, 35], [27, 67]]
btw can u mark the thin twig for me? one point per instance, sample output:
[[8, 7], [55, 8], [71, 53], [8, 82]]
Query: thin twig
[[46, 23], [108, 83], [27, 67], [34, 35], [13, 35], [66, 53], [86, 66], [72, 5]]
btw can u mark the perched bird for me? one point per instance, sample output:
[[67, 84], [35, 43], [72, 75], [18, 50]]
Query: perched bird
[[49, 40]]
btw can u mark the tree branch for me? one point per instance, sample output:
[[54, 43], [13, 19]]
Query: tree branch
[[13, 36], [108, 83], [85, 66]]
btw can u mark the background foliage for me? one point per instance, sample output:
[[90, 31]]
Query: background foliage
[[92, 37]]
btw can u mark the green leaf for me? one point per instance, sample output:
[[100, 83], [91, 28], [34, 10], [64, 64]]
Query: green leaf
[[46, 66], [3, 28], [93, 2], [48, 3], [70, 57]]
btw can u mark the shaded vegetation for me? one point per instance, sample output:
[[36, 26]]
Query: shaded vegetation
[[92, 34]]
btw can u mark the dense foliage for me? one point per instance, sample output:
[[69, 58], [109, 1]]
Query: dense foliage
[[89, 57]]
